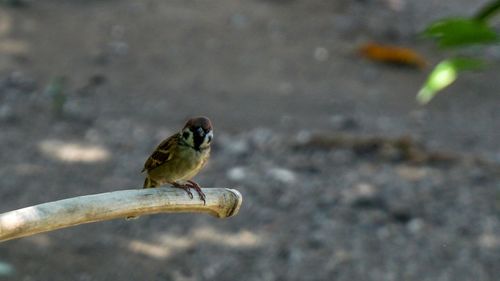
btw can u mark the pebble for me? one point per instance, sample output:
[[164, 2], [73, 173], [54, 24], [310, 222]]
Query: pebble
[[239, 21], [341, 122], [360, 191], [6, 269], [321, 54], [283, 175], [412, 173], [489, 241], [233, 145], [303, 136], [415, 225], [237, 173], [6, 113], [262, 137], [120, 48]]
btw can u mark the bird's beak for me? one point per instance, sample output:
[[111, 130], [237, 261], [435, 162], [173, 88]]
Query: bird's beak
[[209, 137]]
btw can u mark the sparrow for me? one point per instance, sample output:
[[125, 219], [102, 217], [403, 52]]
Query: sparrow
[[180, 157]]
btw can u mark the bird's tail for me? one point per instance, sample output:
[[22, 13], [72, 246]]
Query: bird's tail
[[149, 183]]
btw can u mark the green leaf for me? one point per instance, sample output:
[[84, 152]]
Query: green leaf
[[457, 32], [464, 64], [444, 74], [488, 10]]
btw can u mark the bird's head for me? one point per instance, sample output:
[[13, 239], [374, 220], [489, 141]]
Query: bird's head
[[197, 133]]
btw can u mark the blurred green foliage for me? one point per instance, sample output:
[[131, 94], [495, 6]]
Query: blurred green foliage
[[444, 74], [458, 33], [55, 90]]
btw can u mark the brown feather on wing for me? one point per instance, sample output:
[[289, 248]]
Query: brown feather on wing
[[161, 154]]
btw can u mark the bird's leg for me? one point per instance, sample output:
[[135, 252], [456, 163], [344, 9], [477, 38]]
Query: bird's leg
[[186, 187], [197, 187]]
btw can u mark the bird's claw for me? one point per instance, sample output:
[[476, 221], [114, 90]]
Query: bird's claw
[[191, 184], [185, 187], [197, 187]]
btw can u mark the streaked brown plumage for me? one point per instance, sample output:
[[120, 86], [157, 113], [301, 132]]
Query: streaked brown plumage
[[180, 157]]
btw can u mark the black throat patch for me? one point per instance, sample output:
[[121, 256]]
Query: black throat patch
[[198, 137]]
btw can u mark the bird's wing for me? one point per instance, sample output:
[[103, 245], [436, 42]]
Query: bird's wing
[[162, 154]]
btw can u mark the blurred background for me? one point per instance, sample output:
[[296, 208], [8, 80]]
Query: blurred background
[[344, 176]]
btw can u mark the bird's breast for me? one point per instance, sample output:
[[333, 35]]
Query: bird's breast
[[184, 164]]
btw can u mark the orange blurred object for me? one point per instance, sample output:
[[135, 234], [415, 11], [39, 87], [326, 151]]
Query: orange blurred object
[[392, 54]]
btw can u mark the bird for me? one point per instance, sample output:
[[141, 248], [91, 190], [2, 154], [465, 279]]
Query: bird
[[178, 158]]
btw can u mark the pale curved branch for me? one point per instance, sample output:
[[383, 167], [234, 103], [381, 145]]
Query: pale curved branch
[[220, 202]]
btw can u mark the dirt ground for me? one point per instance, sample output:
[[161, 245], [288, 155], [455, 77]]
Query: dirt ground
[[308, 131]]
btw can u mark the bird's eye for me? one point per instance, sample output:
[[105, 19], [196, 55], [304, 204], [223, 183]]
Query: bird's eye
[[185, 135], [209, 139]]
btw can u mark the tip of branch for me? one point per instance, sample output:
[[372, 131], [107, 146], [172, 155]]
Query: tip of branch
[[236, 207]]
